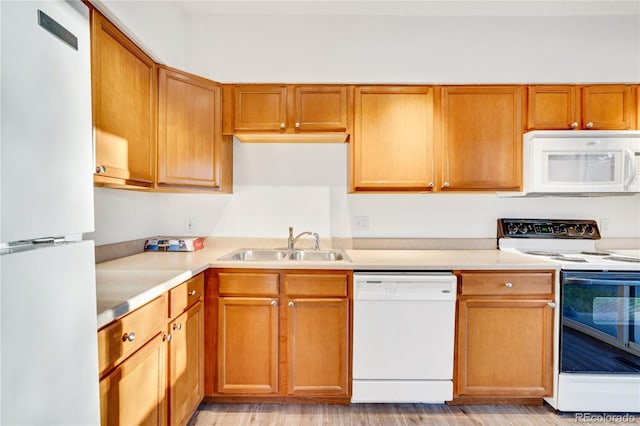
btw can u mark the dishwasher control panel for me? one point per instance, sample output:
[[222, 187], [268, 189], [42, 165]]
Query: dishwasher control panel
[[432, 286]]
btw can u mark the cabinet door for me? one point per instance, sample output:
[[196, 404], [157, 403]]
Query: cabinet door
[[135, 392], [247, 345], [124, 91], [186, 364], [504, 348], [318, 346], [392, 147], [608, 107], [482, 138], [637, 93], [553, 107], [260, 107], [189, 130], [320, 108]]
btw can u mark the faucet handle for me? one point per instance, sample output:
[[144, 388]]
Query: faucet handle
[[291, 232]]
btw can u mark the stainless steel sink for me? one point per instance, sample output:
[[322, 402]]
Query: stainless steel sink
[[319, 255], [270, 255]]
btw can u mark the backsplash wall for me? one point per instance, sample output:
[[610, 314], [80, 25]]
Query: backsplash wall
[[304, 186]]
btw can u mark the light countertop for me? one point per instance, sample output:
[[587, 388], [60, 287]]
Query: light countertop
[[128, 283]]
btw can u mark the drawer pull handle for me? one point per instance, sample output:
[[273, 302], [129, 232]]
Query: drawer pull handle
[[192, 293], [129, 336], [508, 285]]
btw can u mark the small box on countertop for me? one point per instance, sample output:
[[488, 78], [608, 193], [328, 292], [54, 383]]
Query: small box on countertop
[[174, 244]]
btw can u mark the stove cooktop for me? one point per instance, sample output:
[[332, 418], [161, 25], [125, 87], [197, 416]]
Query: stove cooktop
[[568, 242]]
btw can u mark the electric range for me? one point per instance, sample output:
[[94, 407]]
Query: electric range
[[598, 321]]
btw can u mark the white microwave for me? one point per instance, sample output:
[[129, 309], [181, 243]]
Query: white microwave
[[581, 161]]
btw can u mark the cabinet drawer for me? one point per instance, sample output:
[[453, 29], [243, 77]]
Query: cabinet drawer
[[185, 295], [143, 324], [506, 284], [335, 285], [239, 284]]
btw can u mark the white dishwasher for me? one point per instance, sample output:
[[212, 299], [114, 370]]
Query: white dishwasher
[[403, 334]]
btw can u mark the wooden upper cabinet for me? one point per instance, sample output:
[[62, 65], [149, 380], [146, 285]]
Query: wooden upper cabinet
[[553, 107], [608, 107], [284, 109], [637, 93], [260, 107], [320, 108], [605, 106], [482, 138], [124, 92], [189, 130], [392, 144]]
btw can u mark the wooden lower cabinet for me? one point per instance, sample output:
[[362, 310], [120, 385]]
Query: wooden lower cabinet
[[186, 364], [158, 378], [505, 335], [317, 346], [281, 335], [134, 393], [247, 345]]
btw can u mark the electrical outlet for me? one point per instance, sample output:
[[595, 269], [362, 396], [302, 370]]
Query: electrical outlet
[[188, 225], [362, 223]]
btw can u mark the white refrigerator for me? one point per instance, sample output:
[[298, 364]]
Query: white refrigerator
[[48, 319]]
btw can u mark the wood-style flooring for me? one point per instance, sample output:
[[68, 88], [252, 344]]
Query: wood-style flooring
[[379, 415]]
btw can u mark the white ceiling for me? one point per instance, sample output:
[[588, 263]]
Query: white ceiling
[[412, 7]]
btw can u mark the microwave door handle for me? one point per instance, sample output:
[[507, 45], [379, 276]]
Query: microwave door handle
[[597, 281], [629, 157]]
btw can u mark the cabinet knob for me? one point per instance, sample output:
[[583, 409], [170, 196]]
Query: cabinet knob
[[129, 336], [166, 337], [589, 124], [552, 305], [101, 169], [274, 302], [431, 184], [291, 304], [446, 184], [574, 125], [282, 125], [508, 285], [192, 293], [177, 326], [297, 125]]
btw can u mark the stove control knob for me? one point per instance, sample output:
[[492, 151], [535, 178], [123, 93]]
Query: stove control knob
[[512, 228], [579, 229], [523, 228], [589, 229]]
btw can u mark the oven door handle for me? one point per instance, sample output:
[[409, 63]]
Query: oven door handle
[[598, 281]]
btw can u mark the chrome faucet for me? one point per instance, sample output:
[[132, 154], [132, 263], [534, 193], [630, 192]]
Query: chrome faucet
[[292, 240]]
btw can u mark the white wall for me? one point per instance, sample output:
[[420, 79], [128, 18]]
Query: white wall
[[305, 185], [156, 26], [420, 49]]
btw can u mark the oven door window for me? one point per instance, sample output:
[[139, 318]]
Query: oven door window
[[600, 322]]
